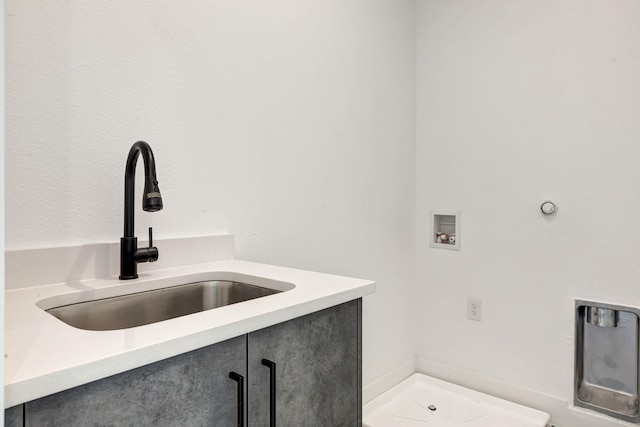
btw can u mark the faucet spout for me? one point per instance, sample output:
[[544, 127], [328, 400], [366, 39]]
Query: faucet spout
[[130, 255]]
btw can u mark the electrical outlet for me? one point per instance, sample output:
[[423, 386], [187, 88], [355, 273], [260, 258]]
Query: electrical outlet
[[474, 309]]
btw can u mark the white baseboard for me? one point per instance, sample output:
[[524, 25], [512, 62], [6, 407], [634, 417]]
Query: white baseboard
[[380, 385], [563, 413]]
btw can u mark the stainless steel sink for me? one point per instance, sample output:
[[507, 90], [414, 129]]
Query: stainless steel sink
[[128, 311]]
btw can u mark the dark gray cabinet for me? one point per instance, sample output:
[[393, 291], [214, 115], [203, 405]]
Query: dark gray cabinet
[[317, 366], [13, 417], [192, 389], [317, 380]]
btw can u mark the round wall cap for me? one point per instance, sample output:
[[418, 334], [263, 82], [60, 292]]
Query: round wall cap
[[548, 208]]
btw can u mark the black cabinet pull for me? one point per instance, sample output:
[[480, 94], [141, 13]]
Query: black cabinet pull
[[272, 391], [240, 380]]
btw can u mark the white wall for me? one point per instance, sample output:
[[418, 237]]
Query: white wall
[[289, 124], [2, 204], [520, 102]]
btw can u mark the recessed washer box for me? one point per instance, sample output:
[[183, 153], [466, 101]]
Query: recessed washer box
[[607, 361], [445, 230]]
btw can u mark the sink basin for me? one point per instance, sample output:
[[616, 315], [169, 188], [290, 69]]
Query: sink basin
[[143, 308]]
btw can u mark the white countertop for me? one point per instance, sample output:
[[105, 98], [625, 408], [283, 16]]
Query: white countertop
[[43, 355]]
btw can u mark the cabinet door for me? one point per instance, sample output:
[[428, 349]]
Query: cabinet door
[[318, 370], [192, 389], [13, 416]]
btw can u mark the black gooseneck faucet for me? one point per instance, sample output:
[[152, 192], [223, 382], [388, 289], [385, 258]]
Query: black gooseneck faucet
[[130, 255]]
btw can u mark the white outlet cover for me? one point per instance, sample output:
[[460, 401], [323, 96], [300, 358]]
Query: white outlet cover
[[474, 309]]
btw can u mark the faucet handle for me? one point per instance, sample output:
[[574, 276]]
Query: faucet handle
[[151, 253]]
